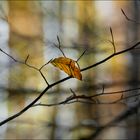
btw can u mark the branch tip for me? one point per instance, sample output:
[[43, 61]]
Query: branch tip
[[58, 41], [59, 46], [124, 14], [103, 88], [26, 59], [81, 55], [129, 19], [112, 40], [72, 92]]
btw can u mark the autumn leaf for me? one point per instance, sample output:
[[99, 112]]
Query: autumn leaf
[[68, 66]]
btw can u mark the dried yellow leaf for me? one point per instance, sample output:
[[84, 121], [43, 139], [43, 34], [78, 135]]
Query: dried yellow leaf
[[68, 66]]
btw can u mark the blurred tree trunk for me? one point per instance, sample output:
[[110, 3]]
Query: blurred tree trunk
[[25, 37], [135, 66], [86, 21], [55, 130], [86, 15], [87, 35], [116, 73]]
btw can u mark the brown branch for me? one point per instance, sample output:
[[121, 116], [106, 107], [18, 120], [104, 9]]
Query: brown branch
[[111, 56], [26, 58], [129, 19], [45, 65], [28, 65], [42, 73], [81, 55], [24, 109], [62, 80], [9, 55], [59, 46], [90, 99], [44, 77], [63, 103], [112, 40], [124, 115], [87, 99]]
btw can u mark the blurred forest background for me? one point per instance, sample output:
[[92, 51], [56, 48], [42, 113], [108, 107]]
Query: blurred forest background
[[31, 28]]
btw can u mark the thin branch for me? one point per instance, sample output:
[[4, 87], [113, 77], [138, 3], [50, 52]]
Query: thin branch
[[44, 77], [103, 89], [63, 103], [86, 99], [123, 91], [45, 64], [59, 46], [62, 80], [26, 58], [74, 94], [8, 55], [127, 18], [26, 108], [81, 55], [42, 73], [112, 40], [28, 65], [111, 56], [124, 115]]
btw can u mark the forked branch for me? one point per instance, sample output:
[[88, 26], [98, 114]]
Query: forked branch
[[59, 46], [60, 81]]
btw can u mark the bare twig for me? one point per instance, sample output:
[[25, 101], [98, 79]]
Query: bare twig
[[62, 80], [127, 18], [111, 56], [112, 40], [124, 115], [59, 46], [9, 55], [81, 55], [26, 58], [28, 65], [74, 94], [103, 89], [65, 102], [44, 77], [45, 64], [87, 99]]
